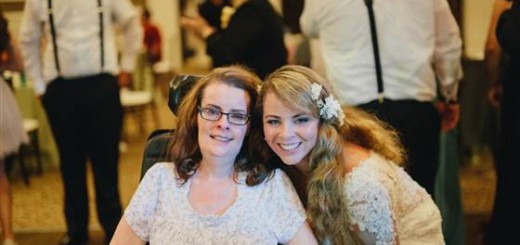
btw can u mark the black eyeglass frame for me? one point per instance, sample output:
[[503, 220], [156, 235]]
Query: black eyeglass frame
[[200, 109]]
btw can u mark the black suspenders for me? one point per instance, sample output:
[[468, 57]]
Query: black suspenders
[[375, 47], [53, 33], [101, 34]]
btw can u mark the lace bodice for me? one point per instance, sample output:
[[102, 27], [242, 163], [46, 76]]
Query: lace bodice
[[387, 203], [160, 212]]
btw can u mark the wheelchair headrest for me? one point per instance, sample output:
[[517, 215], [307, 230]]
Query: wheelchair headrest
[[179, 87]]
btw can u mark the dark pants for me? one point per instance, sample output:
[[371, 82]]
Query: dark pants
[[418, 124], [85, 115], [506, 204]]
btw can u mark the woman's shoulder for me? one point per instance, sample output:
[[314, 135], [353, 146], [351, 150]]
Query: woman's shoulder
[[277, 176], [162, 166], [161, 169], [367, 169], [354, 155]]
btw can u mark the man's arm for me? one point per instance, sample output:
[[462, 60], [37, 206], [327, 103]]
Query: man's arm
[[127, 18], [493, 55], [448, 50], [447, 63], [30, 38], [308, 21]]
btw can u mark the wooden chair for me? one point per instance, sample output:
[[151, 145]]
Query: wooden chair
[[136, 104], [31, 127]]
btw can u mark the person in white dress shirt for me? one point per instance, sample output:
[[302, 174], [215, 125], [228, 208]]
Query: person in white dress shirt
[[418, 43], [77, 75], [345, 163]]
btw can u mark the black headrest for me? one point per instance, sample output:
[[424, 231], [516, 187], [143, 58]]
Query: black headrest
[[179, 87]]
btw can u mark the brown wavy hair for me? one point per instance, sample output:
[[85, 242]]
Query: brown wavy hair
[[184, 148], [325, 201]]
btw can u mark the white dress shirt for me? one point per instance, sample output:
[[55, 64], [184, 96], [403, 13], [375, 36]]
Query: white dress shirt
[[77, 36], [419, 40]]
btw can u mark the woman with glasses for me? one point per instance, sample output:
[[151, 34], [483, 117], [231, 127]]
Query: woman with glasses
[[211, 193]]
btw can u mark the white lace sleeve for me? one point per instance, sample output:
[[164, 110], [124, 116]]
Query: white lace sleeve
[[142, 207], [284, 212], [369, 199]]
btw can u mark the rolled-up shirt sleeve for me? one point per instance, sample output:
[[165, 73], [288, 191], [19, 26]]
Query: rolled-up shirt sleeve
[[308, 22], [126, 16], [30, 38], [448, 50]]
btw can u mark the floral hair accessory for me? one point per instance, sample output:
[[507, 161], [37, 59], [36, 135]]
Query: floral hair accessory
[[328, 108]]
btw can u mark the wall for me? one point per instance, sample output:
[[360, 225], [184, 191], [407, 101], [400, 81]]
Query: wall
[[476, 18], [165, 13]]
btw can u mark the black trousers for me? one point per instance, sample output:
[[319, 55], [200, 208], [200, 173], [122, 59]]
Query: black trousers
[[506, 204], [85, 115], [418, 124]]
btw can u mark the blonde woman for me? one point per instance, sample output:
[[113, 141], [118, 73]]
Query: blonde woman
[[345, 163]]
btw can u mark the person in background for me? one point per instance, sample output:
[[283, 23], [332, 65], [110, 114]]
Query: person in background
[[496, 62], [211, 11], [187, 52], [252, 35], [12, 134], [494, 58], [78, 79], [211, 192], [506, 204], [419, 44], [344, 162], [152, 38]]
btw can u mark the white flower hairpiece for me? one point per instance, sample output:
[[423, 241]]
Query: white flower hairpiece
[[328, 108]]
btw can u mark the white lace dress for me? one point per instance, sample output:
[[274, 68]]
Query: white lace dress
[[268, 213], [384, 200]]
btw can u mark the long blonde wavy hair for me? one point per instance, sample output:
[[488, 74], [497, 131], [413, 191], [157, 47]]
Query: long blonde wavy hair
[[326, 206]]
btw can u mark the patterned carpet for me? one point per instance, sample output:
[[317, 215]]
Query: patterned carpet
[[478, 183], [38, 207]]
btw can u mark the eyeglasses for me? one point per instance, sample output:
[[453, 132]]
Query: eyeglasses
[[212, 114]]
